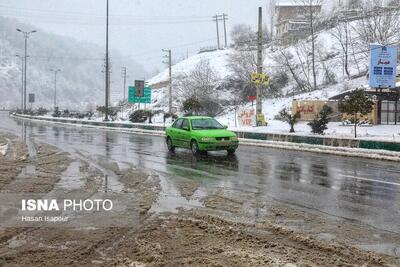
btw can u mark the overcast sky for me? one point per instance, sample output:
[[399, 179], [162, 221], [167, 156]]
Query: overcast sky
[[138, 28]]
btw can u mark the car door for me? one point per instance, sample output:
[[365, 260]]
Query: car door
[[175, 132], [185, 133]]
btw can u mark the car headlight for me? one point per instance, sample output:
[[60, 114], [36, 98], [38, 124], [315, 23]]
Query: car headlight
[[207, 139], [234, 138]]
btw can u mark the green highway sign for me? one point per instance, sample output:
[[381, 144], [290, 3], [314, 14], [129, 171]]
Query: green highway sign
[[132, 98]]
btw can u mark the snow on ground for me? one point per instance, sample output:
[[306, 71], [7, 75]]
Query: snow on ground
[[335, 129], [218, 60], [271, 108]]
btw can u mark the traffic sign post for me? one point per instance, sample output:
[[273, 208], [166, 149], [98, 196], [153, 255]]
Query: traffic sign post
[[139, 85], [134, 98], [260, 79], [31, 99], [251, 99]]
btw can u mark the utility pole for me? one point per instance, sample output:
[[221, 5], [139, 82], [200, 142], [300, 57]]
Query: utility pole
[[225, 18], [55, 86], [259, 61], [107, 73], [124, 77], [169, 62], [109, 79], [22, 81], [26, 37], [216, 19]]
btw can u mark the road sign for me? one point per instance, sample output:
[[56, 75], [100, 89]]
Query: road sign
[[133, 98], [260, 79], [382, 67], [31, 98], [139, 85]]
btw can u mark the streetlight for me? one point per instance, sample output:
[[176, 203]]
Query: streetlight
[[22, 80], [26, 36], [107, 78], [55, 86]]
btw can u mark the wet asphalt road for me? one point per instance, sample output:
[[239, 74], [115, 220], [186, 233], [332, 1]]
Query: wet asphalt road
[[363, 190]]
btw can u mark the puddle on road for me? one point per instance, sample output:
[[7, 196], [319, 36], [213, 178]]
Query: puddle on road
[[31, 148], [170, 199], [327, 237], [71, 178], [111, 181], [27, 172]]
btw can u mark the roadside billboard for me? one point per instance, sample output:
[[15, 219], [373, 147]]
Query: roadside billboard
[[247, 117], [382, 67]]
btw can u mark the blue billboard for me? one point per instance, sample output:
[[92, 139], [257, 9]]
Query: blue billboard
[[382, 66]]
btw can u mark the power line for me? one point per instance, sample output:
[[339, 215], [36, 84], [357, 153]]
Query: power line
[[85, 14]]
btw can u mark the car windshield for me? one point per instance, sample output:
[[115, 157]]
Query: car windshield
[[207, 123]]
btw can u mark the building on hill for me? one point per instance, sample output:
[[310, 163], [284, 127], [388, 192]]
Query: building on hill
[[292, 20]]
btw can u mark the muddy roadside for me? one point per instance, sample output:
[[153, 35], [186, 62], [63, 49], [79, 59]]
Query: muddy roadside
[[225, 229]]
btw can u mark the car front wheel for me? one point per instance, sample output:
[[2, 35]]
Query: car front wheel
[[170, 145], [194, 147], [231, 151]]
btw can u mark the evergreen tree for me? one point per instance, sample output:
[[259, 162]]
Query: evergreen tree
[[357, 103], [320, 122]]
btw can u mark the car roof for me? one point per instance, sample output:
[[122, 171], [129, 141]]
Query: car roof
[[195, 117]]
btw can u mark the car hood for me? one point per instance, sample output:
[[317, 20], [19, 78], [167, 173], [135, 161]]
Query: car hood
[[216, 133]]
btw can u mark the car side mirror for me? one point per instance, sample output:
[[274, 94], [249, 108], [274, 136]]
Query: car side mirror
[[186, 129], [225, 126]]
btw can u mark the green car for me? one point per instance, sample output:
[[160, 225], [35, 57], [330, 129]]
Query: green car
[[200, 134]]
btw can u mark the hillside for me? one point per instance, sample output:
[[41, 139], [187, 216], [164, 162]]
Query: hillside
[[331, 76], [81, 80]]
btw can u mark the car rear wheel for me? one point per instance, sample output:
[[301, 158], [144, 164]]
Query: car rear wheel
[[194, 147], [170, 145], [231, 151]]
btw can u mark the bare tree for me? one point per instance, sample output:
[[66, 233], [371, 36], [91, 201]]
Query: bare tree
[[201, 84], [342, 34], [379, 23], [242, 34], [305, 66], [286, 58], [312, 12], [242, 63]]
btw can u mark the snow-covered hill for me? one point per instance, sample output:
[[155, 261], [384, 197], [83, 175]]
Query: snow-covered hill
[[81, 80], [219, 61], [331, 76]]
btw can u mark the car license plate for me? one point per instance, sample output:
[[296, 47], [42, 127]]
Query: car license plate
[[224, 143]]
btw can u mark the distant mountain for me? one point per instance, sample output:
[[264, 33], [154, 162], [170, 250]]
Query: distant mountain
[[80, 84]]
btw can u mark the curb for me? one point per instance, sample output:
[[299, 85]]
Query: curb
[[335, 146]]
